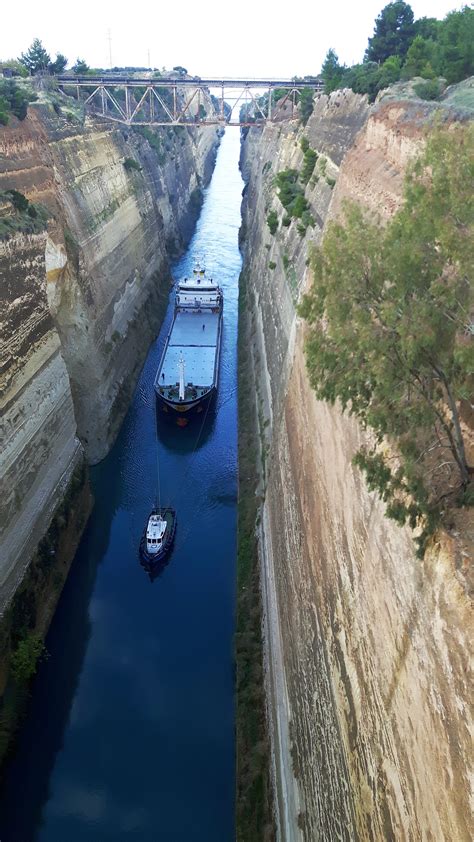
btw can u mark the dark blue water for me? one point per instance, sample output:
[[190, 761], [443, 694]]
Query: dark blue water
[[130, 730]]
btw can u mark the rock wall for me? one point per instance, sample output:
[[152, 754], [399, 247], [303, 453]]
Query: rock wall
[[82, 300], [367, 647]]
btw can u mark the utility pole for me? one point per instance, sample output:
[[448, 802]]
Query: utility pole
[[149, 62], [109, 39]]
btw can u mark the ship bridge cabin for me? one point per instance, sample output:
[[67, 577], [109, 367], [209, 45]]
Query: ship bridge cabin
[[198, 293]]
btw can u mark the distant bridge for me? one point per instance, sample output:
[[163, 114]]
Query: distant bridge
[[180, 101]]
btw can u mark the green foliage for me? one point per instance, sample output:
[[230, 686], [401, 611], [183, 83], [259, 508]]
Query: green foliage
[[331, 72], [18, 200], [420, 59], [389, 315], [24, 660], [330, 182], [304, 144], [430, 89], [403, 49], [393, 32], [272, 264], [14, 100], [309, 162], [80, 67], [130, 165], [27, 218], [181, 70], [290, 193], [306, 105], [253, 801], [455, 46], [58, 65], [36, 58], [154, 140], [272, 221]]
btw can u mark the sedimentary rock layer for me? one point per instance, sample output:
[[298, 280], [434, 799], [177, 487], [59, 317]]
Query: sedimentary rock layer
[[367, 646], [81, 300]]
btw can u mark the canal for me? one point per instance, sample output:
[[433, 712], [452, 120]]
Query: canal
[[130, 732]]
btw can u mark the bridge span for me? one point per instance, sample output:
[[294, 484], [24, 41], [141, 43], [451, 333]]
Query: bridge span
[[165, 101]]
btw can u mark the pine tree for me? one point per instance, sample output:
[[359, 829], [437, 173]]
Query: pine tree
[[393, 32], [36, 58]]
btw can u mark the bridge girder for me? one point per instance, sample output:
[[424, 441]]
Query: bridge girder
[[178, 102]]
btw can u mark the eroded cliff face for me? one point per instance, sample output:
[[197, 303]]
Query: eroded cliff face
[[367, 647], [82, 300]]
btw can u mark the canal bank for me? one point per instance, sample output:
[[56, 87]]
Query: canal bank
[[131, 728]]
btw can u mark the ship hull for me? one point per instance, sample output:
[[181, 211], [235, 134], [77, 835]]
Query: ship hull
[[182, 411]]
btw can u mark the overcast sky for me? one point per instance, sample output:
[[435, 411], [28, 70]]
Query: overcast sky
[[210, 38]]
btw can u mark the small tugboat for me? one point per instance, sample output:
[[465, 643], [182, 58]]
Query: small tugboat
[[158, 536]]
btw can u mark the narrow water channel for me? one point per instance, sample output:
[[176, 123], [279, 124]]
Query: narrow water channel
[[130, 729]]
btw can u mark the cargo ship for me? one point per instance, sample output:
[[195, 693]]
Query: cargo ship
[[188, 373]]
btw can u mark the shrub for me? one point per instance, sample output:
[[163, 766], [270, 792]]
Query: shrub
[[428, 90], [130, 164], [290, 193], [309, 163], [272, 221], [272, 265], [23, 662]]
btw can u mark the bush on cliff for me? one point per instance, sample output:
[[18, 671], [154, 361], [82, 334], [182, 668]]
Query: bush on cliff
[[391, 336], [25, 217], [13, 100], [24, 661]]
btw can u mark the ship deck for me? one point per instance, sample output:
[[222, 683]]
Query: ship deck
[[198, 347]]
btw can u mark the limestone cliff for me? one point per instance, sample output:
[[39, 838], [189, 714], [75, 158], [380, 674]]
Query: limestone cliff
[[81, 300], [367, 647]]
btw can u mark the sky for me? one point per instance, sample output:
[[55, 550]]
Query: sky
[[252, 38]]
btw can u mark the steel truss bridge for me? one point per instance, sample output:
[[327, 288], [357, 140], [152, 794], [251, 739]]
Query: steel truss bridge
[[181, 101]]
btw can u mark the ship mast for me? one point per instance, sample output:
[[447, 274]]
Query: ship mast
[[181, 378]]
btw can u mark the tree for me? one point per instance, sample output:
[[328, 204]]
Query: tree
[[390, 334], [420, 59], [331, 71], [393, 32], [58, 65], [456, 46], [36, 58], [181, 70], [306, 104], [80, 67], [428, 28], [389, 72]]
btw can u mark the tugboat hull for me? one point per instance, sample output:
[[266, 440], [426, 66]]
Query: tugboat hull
[[150, 560]]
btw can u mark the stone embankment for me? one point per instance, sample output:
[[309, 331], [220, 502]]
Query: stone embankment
[[83, 298], [367, 647]]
